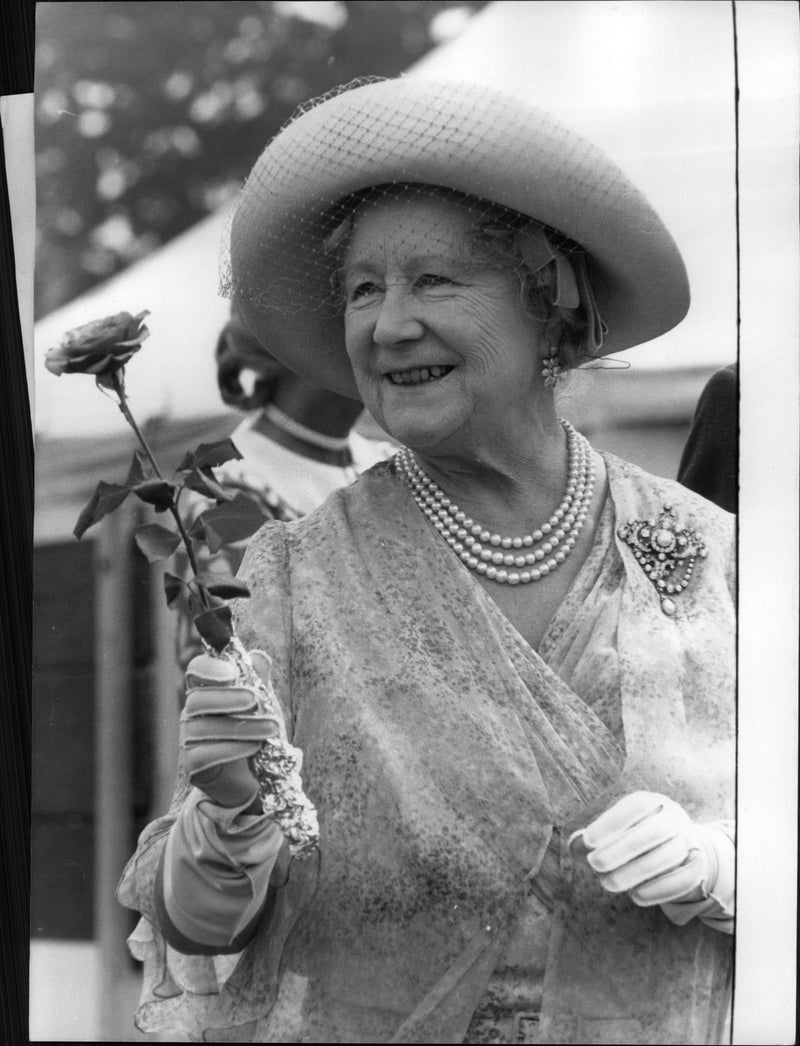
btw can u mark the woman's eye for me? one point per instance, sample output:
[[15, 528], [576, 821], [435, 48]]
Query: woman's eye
[[432, 279], [362, 290]]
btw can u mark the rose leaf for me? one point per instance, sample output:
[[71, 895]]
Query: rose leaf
[[172, 587], [155, 492], [216, 627], [156, 542], [209, 455], [233, 521], [106, 498], [205, 483], [140, 469], [197, 531], [226, 586]]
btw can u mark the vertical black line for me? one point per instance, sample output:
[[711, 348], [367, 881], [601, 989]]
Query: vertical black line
[[735, 36], [17, 20]]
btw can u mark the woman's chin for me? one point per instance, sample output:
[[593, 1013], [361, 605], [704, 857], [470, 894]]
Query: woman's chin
[[417, 429], [416, 418]]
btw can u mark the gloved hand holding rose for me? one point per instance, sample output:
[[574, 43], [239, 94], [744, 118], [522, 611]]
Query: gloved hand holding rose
[[221, 728]]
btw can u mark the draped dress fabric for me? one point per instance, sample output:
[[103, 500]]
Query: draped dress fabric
[[449, 762]]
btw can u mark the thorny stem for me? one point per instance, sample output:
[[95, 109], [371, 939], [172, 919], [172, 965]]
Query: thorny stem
[[119, 388]]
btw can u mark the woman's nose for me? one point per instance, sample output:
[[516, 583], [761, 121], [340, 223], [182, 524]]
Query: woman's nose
[[397, 319]]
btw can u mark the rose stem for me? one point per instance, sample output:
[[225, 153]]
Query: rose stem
[[123, 406]]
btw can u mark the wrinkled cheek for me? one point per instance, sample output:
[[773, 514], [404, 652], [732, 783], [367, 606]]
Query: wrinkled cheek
[[359, 352], [358, 345]]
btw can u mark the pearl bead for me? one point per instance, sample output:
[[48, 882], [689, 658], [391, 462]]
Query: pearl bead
[[491, 573], [505, 542], [513, 579], [497, 557], [516, 543]]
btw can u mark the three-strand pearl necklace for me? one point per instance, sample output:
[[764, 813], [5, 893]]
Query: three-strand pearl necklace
[[509, 560]]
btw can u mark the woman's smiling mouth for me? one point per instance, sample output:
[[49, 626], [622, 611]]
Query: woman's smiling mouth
[[417, 375]]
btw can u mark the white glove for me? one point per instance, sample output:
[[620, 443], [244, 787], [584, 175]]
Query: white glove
[[221, 727], [647, 846]]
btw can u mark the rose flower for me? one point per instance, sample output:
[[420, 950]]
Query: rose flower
[[101, 347]]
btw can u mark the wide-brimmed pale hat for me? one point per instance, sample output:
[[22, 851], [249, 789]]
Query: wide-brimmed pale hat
[[463, 137]]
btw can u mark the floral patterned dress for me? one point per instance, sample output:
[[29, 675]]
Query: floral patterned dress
[[449, 762]]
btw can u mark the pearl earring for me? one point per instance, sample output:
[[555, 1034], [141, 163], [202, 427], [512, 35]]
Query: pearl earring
[[551, 369]]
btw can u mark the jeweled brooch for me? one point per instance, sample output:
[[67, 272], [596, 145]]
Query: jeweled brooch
[[666, 553]]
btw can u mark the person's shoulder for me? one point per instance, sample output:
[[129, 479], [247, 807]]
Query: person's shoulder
[[364, 494], [641, 492], [725, 380]]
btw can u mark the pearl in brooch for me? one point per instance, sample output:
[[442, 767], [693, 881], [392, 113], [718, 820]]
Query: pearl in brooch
[[509, 560], [666, 554]]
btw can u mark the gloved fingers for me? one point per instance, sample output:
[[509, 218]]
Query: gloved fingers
[[628, 814], [205, 670], [229, 785], [618, 818], [637, 841], [234, 730], [216, 700], [657, 862], [202, 759], [681, 882]]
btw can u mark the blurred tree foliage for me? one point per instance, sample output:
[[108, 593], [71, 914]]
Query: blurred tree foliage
[[149, 115]]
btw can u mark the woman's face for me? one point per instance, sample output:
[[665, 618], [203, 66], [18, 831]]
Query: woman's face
[[442, 348]]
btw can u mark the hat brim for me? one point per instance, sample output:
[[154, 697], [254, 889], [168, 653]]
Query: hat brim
[[464, 137]]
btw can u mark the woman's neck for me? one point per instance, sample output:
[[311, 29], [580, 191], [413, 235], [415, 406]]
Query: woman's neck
[[506, 486]]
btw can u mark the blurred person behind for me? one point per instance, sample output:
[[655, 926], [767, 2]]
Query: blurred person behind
[[710, 460], [298, 441]]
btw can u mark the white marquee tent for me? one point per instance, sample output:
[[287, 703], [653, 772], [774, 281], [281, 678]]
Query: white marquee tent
[[652, 83]]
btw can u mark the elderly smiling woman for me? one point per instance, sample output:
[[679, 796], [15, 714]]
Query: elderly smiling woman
[[508, 659]]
